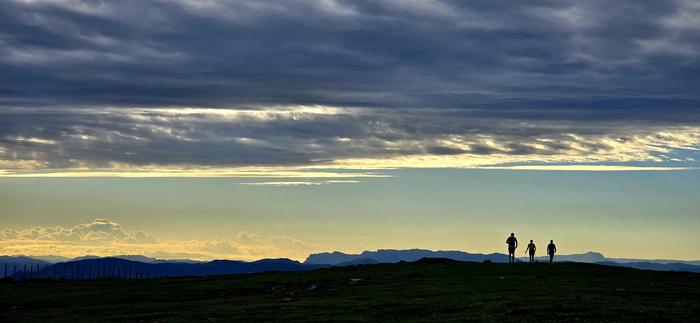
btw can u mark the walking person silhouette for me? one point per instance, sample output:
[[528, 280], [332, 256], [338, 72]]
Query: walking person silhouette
[[551, 250], [531, 250], [512, 245]]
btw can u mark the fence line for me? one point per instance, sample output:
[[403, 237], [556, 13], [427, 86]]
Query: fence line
[[72, 271]]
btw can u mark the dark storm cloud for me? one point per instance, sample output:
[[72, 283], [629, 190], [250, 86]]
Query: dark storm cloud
[[558, 54], [456, 83]]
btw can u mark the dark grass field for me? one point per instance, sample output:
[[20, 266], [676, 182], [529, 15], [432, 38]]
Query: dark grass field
[[429, 290]]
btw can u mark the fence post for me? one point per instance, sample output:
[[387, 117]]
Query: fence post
[[5, 276], [54, 271], [24, 275]]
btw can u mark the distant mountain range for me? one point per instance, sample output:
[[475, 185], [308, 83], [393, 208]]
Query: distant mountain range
[[20, 261], [140, 258], [596, 257], [654, 265], [389, 256], [109, 267], [89, 267], [57, 259]]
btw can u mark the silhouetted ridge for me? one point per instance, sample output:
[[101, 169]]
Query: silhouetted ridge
[[654, 266], [358, 261], [391, 256], [111, 267], [337, 258], [20, 261], [91, 267], [436, 261]]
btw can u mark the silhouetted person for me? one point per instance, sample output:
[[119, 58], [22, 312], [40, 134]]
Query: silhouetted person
[[512, 245], [551, 250], [531, 251]]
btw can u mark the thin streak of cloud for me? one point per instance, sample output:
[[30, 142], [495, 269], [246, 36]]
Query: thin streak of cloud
[[300, 183], [588, 168], [188, 172]]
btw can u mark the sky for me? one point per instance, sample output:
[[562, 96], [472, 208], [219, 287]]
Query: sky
[[251, 129]]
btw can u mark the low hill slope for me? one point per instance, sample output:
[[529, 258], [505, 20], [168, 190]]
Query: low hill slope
[[428, 290]]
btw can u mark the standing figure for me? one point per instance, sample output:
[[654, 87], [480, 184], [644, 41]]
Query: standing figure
[[512, 245], [531, 251], [551, 250]]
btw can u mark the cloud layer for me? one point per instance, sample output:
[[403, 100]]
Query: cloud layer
[[350, 53], [249, 88], [103, 237], [300, 141]]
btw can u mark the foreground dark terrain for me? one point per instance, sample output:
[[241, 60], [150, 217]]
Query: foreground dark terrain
[[430, 289]]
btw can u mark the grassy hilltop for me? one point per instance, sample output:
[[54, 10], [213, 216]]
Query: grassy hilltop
[[430, 289]]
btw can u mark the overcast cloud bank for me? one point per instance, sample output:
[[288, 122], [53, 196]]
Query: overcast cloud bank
[[163, 86]]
